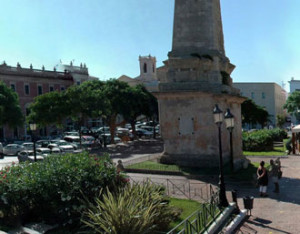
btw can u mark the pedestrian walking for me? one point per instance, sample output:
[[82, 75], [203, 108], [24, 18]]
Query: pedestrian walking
[[262, 177], [274, 174], [277, 161], [120, 167], [288, 146]]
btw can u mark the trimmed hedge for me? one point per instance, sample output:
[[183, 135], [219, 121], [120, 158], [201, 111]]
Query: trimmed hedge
[[262, 140], [53, 190]]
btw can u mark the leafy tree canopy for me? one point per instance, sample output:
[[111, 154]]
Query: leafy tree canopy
[[10, 110], [49, 108], [292, 104], [86, 100], [253, 114]]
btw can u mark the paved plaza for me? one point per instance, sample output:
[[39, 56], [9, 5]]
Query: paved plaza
[[278, 213]]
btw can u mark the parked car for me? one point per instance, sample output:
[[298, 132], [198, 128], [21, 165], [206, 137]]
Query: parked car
[[142, 133], [87, 141], [28, 155], [63, 145], [73, 133], [103, 130], [1, 150], [124, 132], [72, 139], [55, 150], [107, 138], [12, 149], [42, 143], [28, 145], [43, 151], [94, 129]]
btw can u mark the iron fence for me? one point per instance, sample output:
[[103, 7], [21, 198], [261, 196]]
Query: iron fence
[[181, 188], [200, 220], [207, 194]]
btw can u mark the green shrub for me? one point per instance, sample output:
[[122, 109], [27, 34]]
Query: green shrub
[[262, 140], [259, 140], [53, 189], [278, 134], [138, 208]]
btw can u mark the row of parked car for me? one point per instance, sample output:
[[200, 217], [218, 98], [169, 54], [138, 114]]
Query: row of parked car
[[44, 148]]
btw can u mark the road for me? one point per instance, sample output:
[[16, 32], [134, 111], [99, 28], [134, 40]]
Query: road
[[8, 160]]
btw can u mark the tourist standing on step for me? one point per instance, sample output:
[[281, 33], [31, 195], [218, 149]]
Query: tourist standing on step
[[274, 171], [262, 177]]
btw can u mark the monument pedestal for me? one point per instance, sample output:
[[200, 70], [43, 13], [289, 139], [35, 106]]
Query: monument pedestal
[[196, 78], [188, 129]]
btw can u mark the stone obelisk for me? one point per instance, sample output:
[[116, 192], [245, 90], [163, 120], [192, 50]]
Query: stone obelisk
[[196, 77]]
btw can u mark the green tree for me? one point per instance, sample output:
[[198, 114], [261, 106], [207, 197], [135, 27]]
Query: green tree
[[85, 101], [116, 93], [280, 119], [10, 111], [140, 102], [292, 104], [49, 108], [253, 114]]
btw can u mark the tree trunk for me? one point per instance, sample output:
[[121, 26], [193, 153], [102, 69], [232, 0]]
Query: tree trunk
[[112, 125], [132, 123]]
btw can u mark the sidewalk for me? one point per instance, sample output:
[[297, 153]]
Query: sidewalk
[[133, 152], [7, 161], [278, 213]]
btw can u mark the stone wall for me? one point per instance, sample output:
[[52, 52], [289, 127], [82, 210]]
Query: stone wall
[[188, 129]]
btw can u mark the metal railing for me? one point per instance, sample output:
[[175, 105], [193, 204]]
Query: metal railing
[[180, 188], [208, 194], [200, 220]]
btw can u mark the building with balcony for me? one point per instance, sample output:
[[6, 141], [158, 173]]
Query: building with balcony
[[31, 82]]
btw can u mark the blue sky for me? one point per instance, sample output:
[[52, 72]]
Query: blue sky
[[261, 36]]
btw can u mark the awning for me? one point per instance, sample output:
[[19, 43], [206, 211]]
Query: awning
[[296, 128]]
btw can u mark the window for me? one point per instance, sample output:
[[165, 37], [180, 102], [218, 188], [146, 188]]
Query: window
[[13, 87], [26, 89], [252, 95], [78, 82], [145, 68], [51, 88], [62, 88], [40, 90], [263, 96]]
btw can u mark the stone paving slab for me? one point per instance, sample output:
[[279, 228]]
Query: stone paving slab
[[278, 213]]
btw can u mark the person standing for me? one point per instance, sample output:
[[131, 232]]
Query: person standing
[[262, 177], [274, 170]]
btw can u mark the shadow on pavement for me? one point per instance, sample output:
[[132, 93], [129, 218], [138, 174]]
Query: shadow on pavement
[[137, 147]]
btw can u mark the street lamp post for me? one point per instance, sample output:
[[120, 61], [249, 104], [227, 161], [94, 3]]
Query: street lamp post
[[218, 117], [229, 121], [104, 136], [33, 128]]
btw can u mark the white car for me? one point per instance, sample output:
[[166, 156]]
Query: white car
[[28, 145], [12, 149], [43, 151], [55, 150], [1, 150], [64, 146], [28, 155]]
